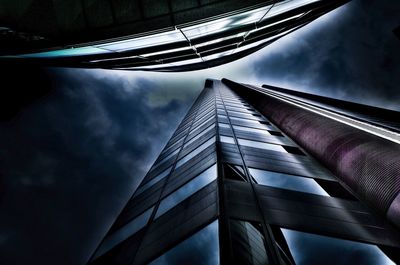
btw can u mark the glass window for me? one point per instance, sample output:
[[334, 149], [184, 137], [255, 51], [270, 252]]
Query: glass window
[[123, 233], [202, 121], [202, 248], [286, 181], [195, 152], [247, 129], [248, 242], [172, 146], [261, 145], [244, 115], [167, 157], [147, 41], [79, 51], [223, 125], [244, 120], [152, 181], [240, 110], [227, 139], [200, 135], [186, 190], [309, 249]]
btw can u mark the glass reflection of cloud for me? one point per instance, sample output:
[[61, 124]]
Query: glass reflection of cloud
[[195, 152], [202, 248], [123, 233], [308, 249], [286, 181], [202, 180]]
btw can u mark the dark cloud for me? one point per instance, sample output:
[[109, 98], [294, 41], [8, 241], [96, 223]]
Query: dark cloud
[[71, 159], [350, 53]]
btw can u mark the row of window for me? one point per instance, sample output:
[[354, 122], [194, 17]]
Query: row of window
[[262, 177], [202, 248]]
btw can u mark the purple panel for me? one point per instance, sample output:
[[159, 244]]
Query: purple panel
[[368, 164]]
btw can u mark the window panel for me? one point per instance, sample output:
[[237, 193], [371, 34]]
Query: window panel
[[195, 152], [223, 125], [202, 248], [153, 181], [203, 120], [79, 51], [199, 135], [248, 129], [244, 120], [261, 145], [308, 249], [142, 42], [248, 242], [286, 181], [167, 157], [226, 139], [124, 233], [187, 190]]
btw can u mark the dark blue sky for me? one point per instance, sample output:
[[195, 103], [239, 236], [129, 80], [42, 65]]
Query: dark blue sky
[[75, 143]]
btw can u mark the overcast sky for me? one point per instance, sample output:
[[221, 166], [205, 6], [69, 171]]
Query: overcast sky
[[76, 143]]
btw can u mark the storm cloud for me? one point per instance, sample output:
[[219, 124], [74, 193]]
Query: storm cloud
[[72, 157]]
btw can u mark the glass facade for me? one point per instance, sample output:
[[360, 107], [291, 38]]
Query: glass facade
[[309, 248], [231, 188], [188, 189], [202, 248], [286, 181]]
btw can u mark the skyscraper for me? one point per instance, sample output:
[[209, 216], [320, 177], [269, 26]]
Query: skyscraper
[[237, 184], [162, 35]]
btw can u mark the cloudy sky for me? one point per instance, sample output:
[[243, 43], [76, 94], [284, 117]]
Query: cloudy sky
[[75, 143]]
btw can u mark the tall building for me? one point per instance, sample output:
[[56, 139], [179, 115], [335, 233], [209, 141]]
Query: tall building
[[236, 184], [162, 35]]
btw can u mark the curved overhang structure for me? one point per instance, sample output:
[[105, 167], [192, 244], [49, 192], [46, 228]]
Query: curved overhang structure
[[211, 38]]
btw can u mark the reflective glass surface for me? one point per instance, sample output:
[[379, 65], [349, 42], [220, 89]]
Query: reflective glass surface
[[248, 129], [248, 243], [186, 190], [124, 232], [261, 145], [202, 248], [286, 181], [223, 125], [195, 152], [227, 139], [67, 52], [167, 157], [200, 135], [147, 41], [310, 249], [153, 181]]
